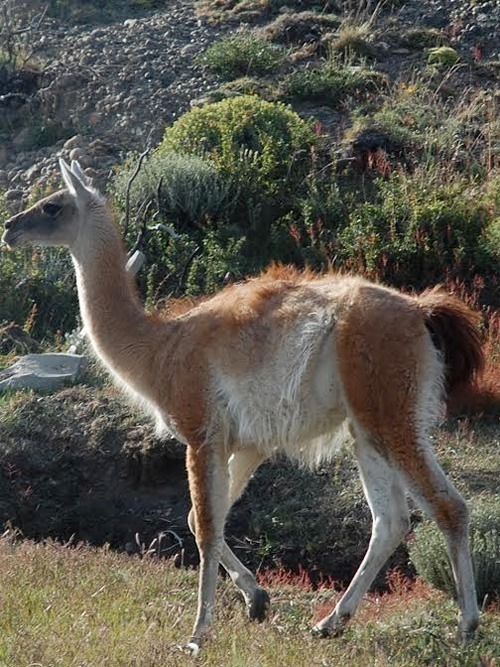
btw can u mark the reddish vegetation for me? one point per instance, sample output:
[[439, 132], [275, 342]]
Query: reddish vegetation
[[302, 579], [486, 393], [402, 593]]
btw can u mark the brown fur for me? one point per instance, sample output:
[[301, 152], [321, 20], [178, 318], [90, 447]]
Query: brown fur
[[198, 467], [378, 364]]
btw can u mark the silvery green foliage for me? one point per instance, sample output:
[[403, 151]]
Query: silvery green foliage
[[428, 553], [191, 190]]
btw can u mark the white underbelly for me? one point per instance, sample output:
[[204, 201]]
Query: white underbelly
[[294, 404]]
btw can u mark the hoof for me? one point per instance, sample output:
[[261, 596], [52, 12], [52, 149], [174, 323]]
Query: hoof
[[332, 629], [193, 648], [322, 631], [259, 606], [466, 636]]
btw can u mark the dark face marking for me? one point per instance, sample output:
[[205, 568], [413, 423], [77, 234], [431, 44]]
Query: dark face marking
[[46, 223]]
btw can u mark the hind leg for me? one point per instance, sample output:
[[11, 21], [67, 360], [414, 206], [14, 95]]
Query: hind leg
[[386, 497], [435, 494]]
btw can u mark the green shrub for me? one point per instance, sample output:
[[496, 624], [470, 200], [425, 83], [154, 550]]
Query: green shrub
[[330, 84], [198, 200], [243, 55], [407, 229], [37, 291], [443, 55], [420, 229], [247, 85], [430, 129], [428, 553], [264, 148], [220, 254], [262, 145], [228, 170]]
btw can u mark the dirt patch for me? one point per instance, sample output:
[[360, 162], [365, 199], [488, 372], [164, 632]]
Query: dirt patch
[[82, 465]]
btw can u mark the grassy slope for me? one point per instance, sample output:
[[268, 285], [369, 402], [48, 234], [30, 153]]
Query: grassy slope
[[65, 606]]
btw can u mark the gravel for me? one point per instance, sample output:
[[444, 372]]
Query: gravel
[[111, 89]]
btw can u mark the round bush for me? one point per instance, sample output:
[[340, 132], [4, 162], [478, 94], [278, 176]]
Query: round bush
[[429, 556], [264, 146], [442, 55]]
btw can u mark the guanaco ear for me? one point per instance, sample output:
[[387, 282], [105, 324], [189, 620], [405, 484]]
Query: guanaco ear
[[75, 184], [76, 168]]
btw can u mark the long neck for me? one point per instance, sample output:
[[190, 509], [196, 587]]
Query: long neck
[[120, 330]]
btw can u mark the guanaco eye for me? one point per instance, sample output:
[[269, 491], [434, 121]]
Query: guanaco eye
[[51, 209]]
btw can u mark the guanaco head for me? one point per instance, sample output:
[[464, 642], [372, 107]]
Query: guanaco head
[[57, 220]]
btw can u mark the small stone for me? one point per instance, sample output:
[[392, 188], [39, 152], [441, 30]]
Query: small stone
[[95, 118], [13, 195], [76, 154], [32, 172], [73, 142], [91, 173]]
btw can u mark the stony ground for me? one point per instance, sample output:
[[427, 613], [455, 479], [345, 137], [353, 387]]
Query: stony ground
[[112, 87]]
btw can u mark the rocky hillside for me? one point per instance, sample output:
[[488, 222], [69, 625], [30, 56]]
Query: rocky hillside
[[97, 91], [96, 88]]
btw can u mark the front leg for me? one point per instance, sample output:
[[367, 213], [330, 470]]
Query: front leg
[[209, 486], [242, 464]]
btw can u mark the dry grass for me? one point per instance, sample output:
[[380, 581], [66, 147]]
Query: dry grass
[[79, 606], [353, 39]]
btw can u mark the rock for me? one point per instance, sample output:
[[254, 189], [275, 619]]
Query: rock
[[13, 195], [42, 372], [73, 142], [32, 173], [77, 154], [95, 118]]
